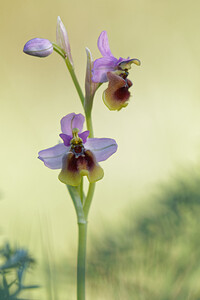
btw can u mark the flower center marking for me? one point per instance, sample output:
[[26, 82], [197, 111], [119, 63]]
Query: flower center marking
[[77, 144]]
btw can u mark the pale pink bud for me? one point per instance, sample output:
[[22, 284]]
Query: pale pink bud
[[62, 39]]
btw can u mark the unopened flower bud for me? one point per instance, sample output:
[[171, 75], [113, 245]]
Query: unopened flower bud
[[62, 39], [38, 47], [90, 86]]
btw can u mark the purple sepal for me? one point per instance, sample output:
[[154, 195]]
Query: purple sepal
[[38, 47], [103, 44], [102, 66], [102, 148], [71, 121], [53, 157]]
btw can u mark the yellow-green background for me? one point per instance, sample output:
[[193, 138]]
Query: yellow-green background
[[157, 133]]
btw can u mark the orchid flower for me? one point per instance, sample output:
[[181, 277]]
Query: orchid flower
[[109, 68], [109, 63], [78, 155]]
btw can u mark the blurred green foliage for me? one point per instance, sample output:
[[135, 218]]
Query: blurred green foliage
[[13, 267], [154, 255]]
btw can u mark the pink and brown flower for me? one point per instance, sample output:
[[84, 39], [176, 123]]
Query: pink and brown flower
[[78, 155], [115, 71]]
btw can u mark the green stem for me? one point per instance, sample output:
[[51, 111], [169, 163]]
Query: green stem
[[81, 192], [57, 49], [75, 80], [82, 238], [91, 188], [74, 193], [88, 199], [89, 124]]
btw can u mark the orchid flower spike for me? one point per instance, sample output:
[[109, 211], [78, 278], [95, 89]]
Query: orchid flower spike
[[109, 68], [78, 155], [38, 47]]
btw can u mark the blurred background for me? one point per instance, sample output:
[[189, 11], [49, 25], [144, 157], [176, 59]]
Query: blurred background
[[156, 164]]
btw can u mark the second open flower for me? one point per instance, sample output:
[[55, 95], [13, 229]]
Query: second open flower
[[109, 68]]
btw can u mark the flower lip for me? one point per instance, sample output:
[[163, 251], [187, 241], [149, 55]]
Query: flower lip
[[38, 47], [77, 165], [117, 94]]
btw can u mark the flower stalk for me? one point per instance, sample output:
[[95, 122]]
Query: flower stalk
[[58, 50], [75, 80], [82, 241], [89, 125], [82, 214], [81, 261], [70, 68], [88, 199]]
